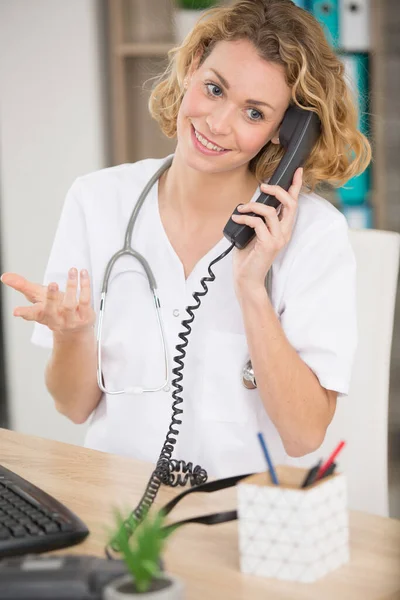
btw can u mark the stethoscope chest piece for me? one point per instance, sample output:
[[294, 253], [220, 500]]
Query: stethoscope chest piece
[[249, 381]]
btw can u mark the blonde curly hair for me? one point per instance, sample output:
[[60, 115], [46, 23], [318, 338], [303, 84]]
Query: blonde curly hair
[[286, 35]]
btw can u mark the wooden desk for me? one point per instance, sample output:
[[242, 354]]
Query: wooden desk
[[206, 558]]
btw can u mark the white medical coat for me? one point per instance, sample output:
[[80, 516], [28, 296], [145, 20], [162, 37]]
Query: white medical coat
[[313, 294]]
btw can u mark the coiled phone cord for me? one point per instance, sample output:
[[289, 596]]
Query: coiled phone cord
[[168, 471]]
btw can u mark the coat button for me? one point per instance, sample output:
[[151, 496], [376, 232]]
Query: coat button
[[175, 312]]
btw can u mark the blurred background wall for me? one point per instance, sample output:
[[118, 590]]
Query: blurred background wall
[[52, 129]]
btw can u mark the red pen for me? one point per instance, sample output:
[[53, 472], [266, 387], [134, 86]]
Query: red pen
[[330, 460]]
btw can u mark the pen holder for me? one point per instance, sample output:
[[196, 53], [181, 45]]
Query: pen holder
[[291, 533]]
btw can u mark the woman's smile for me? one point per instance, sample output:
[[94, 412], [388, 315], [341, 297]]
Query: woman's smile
[[204, 145]]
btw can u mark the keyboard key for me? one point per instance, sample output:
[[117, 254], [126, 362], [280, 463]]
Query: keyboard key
[[4, 533], [65, 526], [50, 528], [24, 520], [33, 529], [42, 521], [18, 531], [9, 523]]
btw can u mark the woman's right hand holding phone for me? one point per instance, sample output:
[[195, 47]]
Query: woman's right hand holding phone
[[63, 313]]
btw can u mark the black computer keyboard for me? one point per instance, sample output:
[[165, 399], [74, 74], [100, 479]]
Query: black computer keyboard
[[32, 521]]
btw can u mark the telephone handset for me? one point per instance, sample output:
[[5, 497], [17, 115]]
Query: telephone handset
[[298, 133]]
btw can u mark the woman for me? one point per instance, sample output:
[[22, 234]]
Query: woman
[[224, 97]]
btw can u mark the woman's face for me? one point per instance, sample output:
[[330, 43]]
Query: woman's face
[[235, 101]]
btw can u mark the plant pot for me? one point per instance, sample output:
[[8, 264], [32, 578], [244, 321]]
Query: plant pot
[[165, 588], [184, 21]]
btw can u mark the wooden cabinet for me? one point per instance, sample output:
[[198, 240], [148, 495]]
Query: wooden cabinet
[[140, 34]]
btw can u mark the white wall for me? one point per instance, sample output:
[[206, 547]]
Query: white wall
[[52, 129]]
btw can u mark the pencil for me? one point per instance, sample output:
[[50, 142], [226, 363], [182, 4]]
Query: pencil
[[268, 459]]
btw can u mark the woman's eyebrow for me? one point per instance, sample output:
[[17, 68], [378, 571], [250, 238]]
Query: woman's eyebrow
[[249, 100]]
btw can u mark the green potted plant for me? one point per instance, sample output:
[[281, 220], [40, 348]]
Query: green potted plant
[[142, 556], [187, 12]]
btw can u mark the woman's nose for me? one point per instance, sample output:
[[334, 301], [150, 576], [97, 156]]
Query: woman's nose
[[220, 121]]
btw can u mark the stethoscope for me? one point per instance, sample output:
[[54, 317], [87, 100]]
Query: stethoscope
[[127, 250]]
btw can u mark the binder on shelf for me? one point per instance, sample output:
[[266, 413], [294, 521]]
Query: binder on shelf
[[327, 13], [356, 190], [354, 25], [358, 216], [357, 75], [301, 3]]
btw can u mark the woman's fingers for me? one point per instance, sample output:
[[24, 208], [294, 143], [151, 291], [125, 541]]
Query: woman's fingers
[[44, 299], [85, 296], [33, 292], [295, 188], [30, 313], [268, 213], [255, 223], [288, 199], [59, 311], [289, 203], [69, 302], [50, 311]]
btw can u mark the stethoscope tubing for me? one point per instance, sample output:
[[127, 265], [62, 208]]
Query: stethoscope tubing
[[127, 250]]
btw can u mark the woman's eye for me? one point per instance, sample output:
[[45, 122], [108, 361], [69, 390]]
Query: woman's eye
[[254, 114], [216, 91], [213, 89]]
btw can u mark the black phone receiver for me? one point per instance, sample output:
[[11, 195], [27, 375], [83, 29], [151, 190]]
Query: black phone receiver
[[299, 131]]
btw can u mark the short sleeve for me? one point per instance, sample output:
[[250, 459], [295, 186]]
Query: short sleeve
[[70, 249], [319, 309]]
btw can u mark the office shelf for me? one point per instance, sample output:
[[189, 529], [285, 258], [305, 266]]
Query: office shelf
[[143, 49]]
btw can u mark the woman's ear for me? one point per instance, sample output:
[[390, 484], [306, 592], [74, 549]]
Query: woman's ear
[[275, 137]]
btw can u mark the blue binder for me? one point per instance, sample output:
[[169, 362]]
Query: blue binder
[[327, 13], [301, 3], [356, 190]]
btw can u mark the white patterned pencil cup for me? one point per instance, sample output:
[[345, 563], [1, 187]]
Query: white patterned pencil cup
[[290, 533]]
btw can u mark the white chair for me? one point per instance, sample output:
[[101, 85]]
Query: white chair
[[362, 418]]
